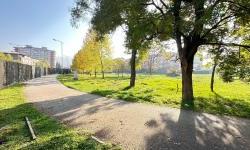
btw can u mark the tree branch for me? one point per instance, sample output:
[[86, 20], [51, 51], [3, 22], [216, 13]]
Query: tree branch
[[177, 7], [228, 44], [146, 4], [239, 5], [216, 25], [159, 8], [164, 4]]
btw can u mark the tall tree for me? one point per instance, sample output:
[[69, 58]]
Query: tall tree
[[191, 23], [104, 54], [95, 55], [216, 57]]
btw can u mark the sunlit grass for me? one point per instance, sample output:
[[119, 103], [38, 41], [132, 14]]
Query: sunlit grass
[[228, 98], [14, 133]]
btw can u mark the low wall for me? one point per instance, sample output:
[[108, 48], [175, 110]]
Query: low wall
[[2, 73], [16, 72], [13, 72]]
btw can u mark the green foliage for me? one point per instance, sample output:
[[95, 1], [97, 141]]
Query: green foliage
[[235, 64], [244, 66], [190, 23], [145, 19], [4, 57], [227, 75], [119, 65], [42, 63], [227, 67], [229, 99], [50, 133]]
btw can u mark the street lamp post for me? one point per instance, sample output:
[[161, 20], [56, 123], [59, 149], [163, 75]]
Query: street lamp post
[[61, 43]]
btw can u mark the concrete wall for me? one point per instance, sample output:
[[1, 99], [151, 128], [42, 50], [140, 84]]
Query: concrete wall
[[16, 72], [2, 74], [13, 72]]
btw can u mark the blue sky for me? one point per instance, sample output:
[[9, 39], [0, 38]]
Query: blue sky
[[37, 22]]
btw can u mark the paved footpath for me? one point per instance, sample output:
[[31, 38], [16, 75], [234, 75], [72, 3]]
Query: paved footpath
[[135, 125]]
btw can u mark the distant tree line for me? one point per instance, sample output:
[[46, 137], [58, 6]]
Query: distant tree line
[[95, 56]]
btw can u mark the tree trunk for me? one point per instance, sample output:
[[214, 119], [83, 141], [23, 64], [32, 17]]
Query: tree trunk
[[102, 70], [102, 74], [150, 70], [133, 71], [186, 55], [187, 82], [95, 73], [212, 77]]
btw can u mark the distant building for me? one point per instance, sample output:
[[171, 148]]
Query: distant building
[[38, 53], [21, 58]]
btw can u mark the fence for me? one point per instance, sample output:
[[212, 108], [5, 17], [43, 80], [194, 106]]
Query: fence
[[13, 72]]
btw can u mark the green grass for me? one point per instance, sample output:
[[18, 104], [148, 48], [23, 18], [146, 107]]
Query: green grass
[[50, 134], [228, 99]]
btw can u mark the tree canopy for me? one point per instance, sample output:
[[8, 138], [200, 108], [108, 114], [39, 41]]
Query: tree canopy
[[93, 55], [191, 23], [4, 57]]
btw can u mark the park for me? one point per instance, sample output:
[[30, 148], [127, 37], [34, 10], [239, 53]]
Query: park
[[180, 80]]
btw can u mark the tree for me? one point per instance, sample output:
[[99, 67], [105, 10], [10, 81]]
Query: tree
[[42, 63], [104, 54], [192, 23], [216, 53], [119, 65], [156, 49], [108, 18], [94, 56], [244, 67], [244, 53], [235, 63], [4, 57]]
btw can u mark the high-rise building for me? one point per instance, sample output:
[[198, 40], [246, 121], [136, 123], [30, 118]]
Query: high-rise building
[[38, 53]]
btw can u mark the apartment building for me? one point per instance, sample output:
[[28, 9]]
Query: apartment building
[[38, 53]]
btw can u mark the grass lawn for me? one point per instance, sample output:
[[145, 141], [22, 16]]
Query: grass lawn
[[228, 98], [14, 133]]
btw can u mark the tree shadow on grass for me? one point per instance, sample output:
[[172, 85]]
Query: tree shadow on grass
[[103, 92], [127, 88], [127, 95], [218, 104]]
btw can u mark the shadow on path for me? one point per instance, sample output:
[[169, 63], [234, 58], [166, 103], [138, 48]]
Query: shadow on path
[[70, 108], [200, 132]]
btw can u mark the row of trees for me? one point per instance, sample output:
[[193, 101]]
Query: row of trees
[[191, 23], [95, 56]]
